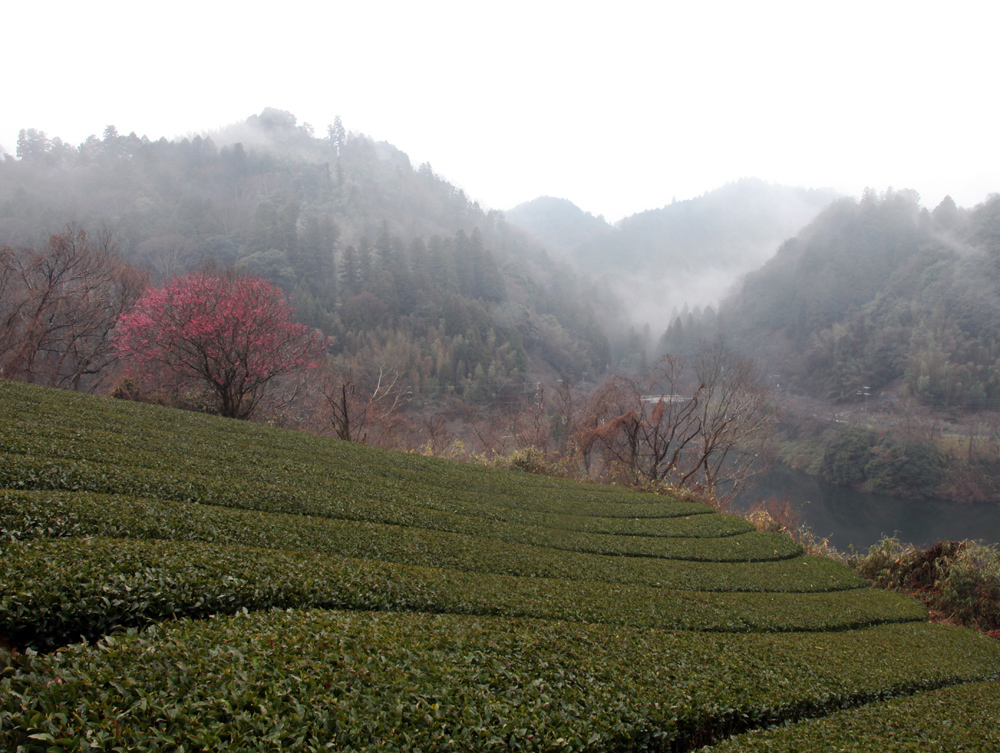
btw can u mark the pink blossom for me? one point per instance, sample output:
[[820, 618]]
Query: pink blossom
[[234, 335]]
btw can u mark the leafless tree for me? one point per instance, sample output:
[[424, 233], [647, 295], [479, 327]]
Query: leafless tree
[[518, 427], [59, 305], [702, 422], [434, 433], [364, 412]]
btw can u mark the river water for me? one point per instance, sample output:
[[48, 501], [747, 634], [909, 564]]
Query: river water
[[856, 520]]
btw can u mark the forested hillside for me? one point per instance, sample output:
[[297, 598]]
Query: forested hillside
[[878, 294], [559, 223], [398, 266]]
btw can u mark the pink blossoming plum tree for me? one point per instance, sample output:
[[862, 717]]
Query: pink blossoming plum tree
[[231, 334]]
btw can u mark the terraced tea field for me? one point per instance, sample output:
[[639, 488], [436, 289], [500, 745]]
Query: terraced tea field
[[176, 581]]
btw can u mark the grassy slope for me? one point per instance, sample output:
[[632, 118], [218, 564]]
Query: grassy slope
[[269, 589]]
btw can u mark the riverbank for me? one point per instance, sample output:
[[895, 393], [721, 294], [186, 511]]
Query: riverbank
[[898, 450], [854, 520]]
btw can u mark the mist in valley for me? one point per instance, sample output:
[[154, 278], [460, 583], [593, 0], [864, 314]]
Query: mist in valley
[[687, 255]]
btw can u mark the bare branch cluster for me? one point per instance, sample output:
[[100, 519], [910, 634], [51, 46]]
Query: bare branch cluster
[[362, 410], [59, 306], [702, 422]]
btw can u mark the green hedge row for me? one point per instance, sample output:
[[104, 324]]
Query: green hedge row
[[52, 592], [963, 717], [213, 460], [20, 472], [25, 515], [310, 491], [317, 681]]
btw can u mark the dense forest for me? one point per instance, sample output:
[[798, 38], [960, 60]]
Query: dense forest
[[396, 265], [877, 295]]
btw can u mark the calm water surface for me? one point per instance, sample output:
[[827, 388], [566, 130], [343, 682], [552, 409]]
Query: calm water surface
[[857, 520]]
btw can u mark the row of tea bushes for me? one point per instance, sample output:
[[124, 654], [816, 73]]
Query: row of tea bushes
[[320, 680], [30, 473], [525, 634], [690, 537], [52, 592], [195, 457], [306, 496], [963, 717], [25, 515]]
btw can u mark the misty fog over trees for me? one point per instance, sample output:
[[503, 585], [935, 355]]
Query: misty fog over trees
[[393, 263], [878, 293], [689, 252], [421, 293]]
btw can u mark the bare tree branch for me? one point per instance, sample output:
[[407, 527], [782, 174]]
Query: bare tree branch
[[59, 306], [702, 423]]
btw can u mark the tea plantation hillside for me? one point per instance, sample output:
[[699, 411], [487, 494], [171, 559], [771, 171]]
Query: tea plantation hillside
[[175, 581]]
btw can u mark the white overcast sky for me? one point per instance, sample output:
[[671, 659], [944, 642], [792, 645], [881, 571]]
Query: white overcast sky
[[618, 106]]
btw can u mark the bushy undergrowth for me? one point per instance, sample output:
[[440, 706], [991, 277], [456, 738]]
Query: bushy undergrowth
[[958, 579]]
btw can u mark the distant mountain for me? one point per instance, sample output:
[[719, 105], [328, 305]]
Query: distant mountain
[[558, 223], [686, 253], [739, 225]]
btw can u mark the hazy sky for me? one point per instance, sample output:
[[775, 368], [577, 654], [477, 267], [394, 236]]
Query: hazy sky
[[618, 107]]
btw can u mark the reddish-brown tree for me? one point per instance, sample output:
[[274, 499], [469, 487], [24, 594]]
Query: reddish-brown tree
[[231, 334], [702, 423]]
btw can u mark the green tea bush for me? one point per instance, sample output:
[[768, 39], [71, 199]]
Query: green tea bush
[[52, 592], [26, 515], [964, 717], [488, 609], [47, 513], [73, 442], [318, 680], [344, 483]]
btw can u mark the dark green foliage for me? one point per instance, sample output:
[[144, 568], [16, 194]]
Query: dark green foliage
[[966, 717], [55, 591], [847, 456], [860, 457], [201, 561], [906, 468], [464, 542], [398, 682]]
